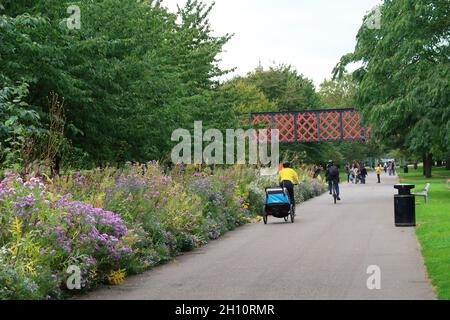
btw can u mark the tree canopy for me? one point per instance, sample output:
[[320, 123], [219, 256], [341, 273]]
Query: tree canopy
[[284, 86], [405, 76], [339, 92], [134, 71], [130, 75]]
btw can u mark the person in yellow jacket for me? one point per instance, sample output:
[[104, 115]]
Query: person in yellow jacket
[[378, 171], [287, 177]]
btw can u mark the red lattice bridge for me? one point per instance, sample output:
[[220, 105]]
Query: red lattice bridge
[[313, 125]]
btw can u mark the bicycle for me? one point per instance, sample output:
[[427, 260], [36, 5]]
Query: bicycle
[[292, 211], [292, 214]]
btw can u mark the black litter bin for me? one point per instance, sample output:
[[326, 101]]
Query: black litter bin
[[405, 169], [405, 206]]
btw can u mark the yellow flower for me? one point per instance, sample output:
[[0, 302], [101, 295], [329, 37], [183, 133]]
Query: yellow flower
[[131, 238], [53, 197], [93, 273], [29, 268], [97, 200], [16, 228], [116, 277]]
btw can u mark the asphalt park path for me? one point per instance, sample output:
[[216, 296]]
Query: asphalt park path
[[323, 255]]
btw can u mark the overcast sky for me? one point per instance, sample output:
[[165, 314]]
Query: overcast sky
[[311, 35]]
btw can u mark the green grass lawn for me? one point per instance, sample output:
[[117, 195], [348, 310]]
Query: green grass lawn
[[433, 226], [342, 176]]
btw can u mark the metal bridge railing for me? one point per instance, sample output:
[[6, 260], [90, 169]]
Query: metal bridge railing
[[313, 125]]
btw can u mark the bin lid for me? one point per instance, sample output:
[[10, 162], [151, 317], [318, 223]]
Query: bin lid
[[404, 186]]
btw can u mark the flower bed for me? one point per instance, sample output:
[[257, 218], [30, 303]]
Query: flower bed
[[112, 222]]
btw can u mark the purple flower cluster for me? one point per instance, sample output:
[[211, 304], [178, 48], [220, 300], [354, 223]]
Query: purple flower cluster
[[64, 224], [141, 182], [100, 228], [212, 190], [79, 178], [23, 206], [34, 183], [7, 189], [167, 212]]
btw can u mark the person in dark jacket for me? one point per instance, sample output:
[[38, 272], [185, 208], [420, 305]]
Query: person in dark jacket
[[363, 175], [347, 170], [332, 176]]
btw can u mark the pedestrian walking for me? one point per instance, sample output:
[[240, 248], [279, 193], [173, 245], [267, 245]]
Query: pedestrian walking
[[347, 170], [363, 175], [350, 174], [355, 174], [378, 172]]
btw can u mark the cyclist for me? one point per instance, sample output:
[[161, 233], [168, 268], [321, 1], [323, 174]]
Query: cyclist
[[332, 176], [287, 178]]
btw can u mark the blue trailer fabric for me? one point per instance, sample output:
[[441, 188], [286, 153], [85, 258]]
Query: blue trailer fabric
[[277, 198]]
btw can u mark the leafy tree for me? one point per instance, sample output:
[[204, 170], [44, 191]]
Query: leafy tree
[[338, 93], [244, 97], [17, 123], [133, 72], [18, 119], [285, 87], [404, 80]]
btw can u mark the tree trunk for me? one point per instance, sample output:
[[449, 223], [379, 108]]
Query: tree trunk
[[416, 165], [55, 168], [447, 165], [439, 163], [428, 165], [424, 160]]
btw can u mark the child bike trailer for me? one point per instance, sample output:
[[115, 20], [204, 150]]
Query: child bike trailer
[[278, 205]]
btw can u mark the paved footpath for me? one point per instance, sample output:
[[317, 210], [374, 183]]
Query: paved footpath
[[323, 255]]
